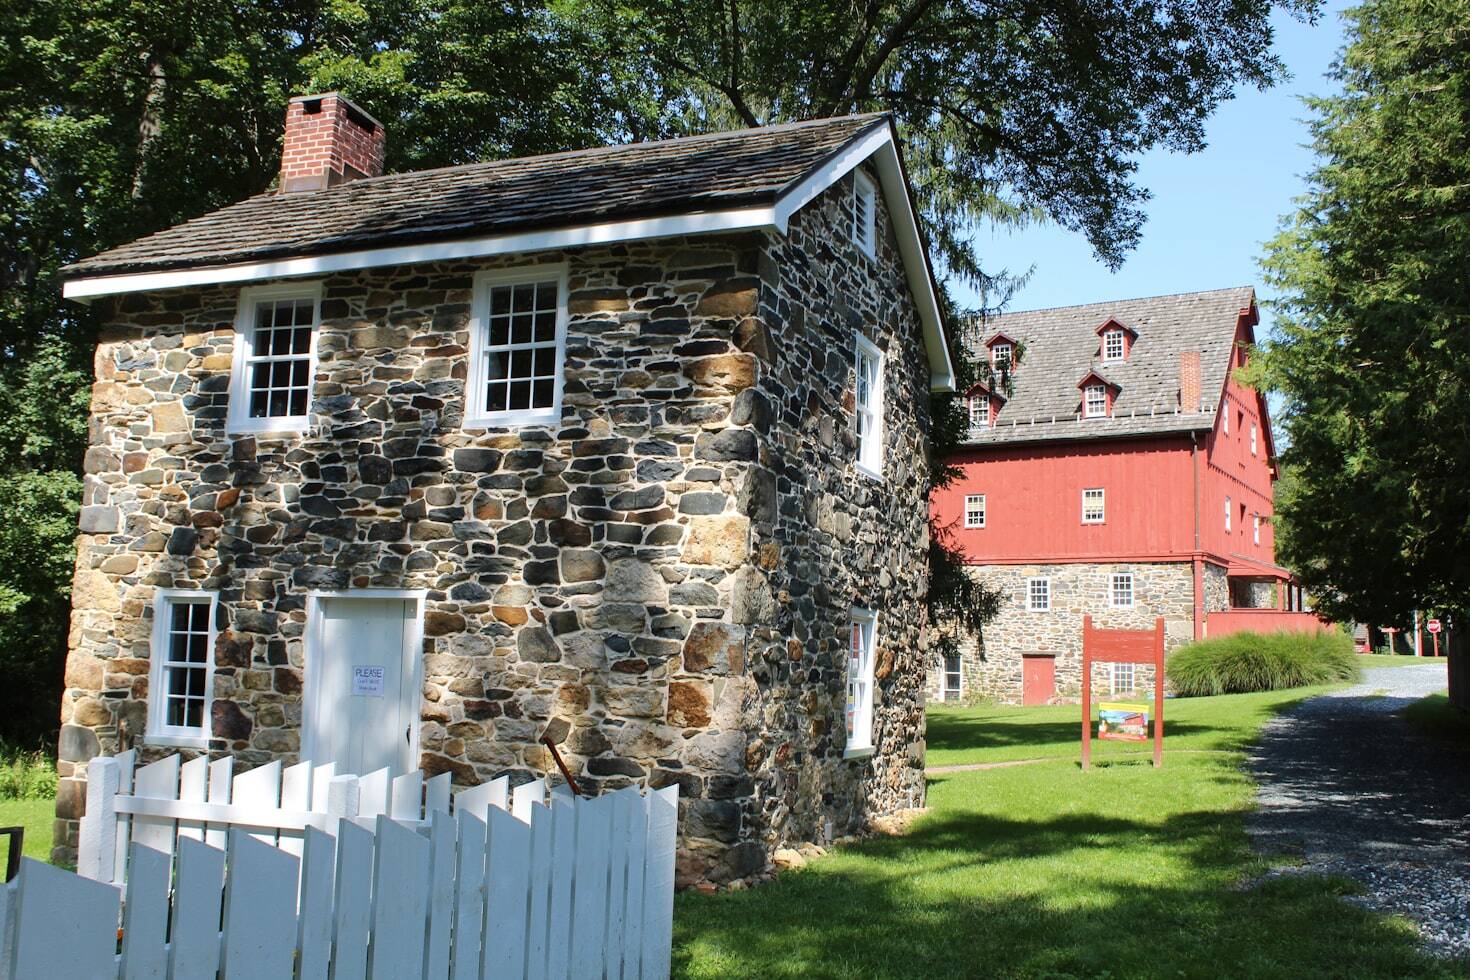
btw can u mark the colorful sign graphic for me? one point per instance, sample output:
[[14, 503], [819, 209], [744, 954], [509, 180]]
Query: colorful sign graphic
[[1125, 722]]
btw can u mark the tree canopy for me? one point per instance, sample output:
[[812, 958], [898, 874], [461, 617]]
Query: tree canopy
[[120, 117], [1372, 348]]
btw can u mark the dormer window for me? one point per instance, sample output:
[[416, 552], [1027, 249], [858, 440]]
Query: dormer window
[[1094, 401], [1000, 356], [980, 411], [1115, 345], [864, 214]]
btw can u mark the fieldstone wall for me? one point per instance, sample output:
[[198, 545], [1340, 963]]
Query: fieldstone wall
[[655, 582], [1077, 589]]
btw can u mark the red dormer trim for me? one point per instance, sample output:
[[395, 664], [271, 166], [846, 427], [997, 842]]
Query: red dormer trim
[[1093, 379], [1110, 324], [1001, 338], [992, 400]]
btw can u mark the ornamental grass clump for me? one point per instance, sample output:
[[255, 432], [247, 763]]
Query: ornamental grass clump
[[26, 775], [1246, 662]]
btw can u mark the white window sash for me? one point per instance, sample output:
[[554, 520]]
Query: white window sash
[[1000, 356], [476, 414], [1228, 506], [1100, 498], [868, 360], [238, 418], [1121, 585], [860, 682], [1095, 401], [1038, 594], [975, 510], [157, 732], [1114, 345]]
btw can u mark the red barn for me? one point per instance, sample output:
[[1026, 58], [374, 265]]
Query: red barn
[[1127, 474]]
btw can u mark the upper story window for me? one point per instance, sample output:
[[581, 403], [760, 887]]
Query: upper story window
[[1093, 509], [868, 406], [953, 678], [862, 627], [1253, 438], [1227, 513], [1225, 418], [979, 411], [1000, 355], [274, 358], [1094, 401], [1115, 345], [864, 213], [1120, 590], [1256, 528], [518, 330], [1038, 594], [975, 510], [181, 681]]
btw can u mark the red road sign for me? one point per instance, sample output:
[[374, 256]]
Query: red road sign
[[1434, 626]]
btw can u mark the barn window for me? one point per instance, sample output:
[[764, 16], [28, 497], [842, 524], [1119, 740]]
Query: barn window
[[1095, 401], [953, 678], [1000, 356], [1093, 506], [868, 406], [517, 347], [1038, 594], [1120, 590], [1227, 513], [975, 510], [1115, 346], [1124, 681], [979, 411]]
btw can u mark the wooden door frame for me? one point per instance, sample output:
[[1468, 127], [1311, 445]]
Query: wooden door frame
[[312, 645]]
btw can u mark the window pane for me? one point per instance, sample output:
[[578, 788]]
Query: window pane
[[499, 301], [259, 403], [545, 393], [520, 332], [499, 331], [497, 366], [180, 617], [199, 616], [301, 340], [545, 362], [545, 327], [495, 397], [175, 714], [546, 295], [281, 374], [520, 363], [525, 296], [298, 402], [178, 680], [198, 648], [298, 372], [279, 405], [520, 395]]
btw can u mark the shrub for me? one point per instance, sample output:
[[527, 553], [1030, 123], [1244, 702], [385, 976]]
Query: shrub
[[1245, 662], [26, 775]]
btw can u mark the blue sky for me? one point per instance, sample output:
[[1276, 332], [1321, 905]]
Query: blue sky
[[1210, 211]]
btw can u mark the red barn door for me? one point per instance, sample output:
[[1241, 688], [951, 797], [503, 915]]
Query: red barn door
[[1038, 678]]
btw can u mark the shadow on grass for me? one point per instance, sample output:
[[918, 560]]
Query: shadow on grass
[[1074, 895], [967, 732]]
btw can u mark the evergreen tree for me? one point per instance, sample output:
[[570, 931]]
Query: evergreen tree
[[1372, 348]]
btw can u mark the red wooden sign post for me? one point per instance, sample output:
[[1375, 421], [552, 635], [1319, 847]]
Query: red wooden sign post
[[1122, 647], [1434, 628]]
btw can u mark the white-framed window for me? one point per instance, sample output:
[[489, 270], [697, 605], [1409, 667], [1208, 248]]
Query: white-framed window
[[1253, 438], [1124, 679], [1256, 528], [1094, 509], [1225, 418], [954, 681], [1038, 594], [862, 630], [1000, 355], [864, 213], [1094, 401], [274, 357], [979, 411], [518, 339], [181, 669], [1227, 513], [1114, 345], [1120, 590], [975, 510], [869, 407]]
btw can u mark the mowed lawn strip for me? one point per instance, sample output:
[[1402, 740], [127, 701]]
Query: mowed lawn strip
[[1044, 871], [36, 816]]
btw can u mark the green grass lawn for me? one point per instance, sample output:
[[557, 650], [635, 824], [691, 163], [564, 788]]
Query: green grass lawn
[[1044, 871], [35, 816], [1435, 716], [1396, 659]]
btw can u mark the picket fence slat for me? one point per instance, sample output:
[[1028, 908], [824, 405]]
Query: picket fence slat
[[329, 876], [443, 841], [260, 909], [145, 914], [315, 910], [400, 901], [507, 877], [66, 925], [221, 779], [198, 891], [469, 898], [354, 901], [193, 788]]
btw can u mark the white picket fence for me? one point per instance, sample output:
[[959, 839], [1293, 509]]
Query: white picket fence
[[304, 873]]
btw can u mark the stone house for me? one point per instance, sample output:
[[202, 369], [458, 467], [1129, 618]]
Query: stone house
[[1127, 473], [624, 448]]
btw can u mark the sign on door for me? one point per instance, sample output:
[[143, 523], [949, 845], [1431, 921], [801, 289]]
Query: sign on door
[[368, 680]]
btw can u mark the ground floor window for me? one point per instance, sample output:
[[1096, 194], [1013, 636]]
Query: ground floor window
[[952, 680], [861, 629], [1038, 594], [1120, 593], [1124, 681], [180, 683]]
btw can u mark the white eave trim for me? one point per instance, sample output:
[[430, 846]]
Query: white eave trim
[[877, 144]]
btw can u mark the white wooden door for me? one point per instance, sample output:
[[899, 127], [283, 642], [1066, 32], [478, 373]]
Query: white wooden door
[[363, 707]]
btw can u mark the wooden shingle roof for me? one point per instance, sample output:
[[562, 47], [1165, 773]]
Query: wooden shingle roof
[[1061, 345]]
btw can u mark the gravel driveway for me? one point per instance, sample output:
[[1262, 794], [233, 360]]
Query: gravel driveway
[[1353, 789]]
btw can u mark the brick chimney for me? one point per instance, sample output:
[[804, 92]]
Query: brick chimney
[[328, 141], [1189, 382]]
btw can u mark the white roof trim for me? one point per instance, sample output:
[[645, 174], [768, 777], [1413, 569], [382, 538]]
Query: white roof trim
[[878, 144]]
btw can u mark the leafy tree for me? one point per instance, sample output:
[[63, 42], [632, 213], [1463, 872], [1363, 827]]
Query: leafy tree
[[1372, 348]]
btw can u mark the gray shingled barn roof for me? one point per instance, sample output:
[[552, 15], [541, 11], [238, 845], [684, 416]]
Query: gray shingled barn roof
[[1061, 346], [720, 171]]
